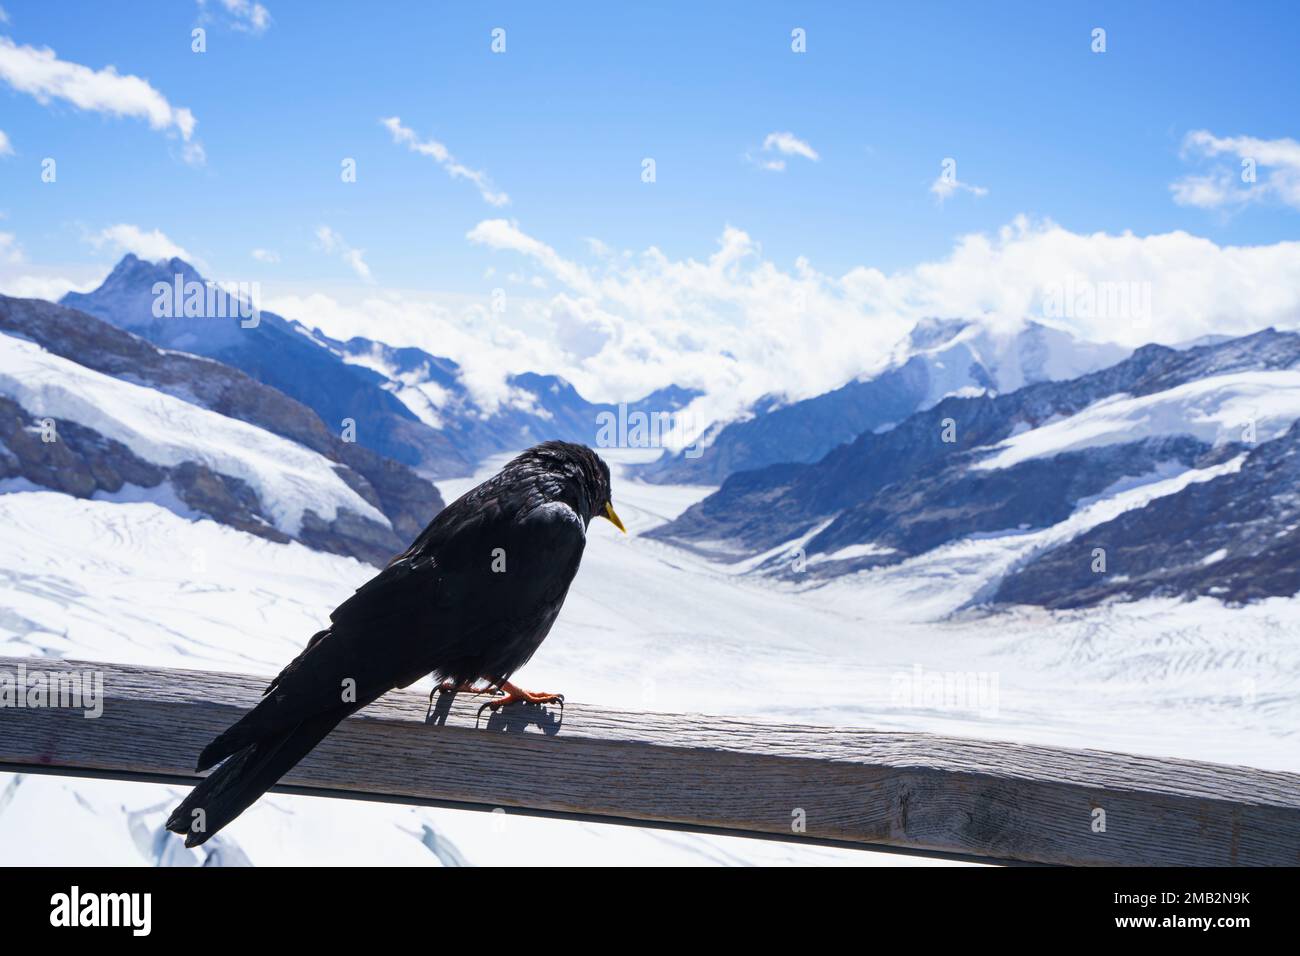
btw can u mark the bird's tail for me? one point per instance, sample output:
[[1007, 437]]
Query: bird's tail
[[249, 772]]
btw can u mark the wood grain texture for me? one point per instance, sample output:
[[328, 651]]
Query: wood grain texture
[[973, 798]]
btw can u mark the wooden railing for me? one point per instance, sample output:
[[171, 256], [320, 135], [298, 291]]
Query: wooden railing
[[914, 792]]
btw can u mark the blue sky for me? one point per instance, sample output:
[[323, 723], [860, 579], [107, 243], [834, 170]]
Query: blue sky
[[1039, 124], [562, 120]]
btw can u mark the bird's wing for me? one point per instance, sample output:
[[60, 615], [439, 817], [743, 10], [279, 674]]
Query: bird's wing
[[506, 586], [496, 575]]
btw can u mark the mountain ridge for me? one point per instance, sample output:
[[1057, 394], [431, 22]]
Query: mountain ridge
[[938, 357]]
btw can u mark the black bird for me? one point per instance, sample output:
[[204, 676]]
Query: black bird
[[470, 600]]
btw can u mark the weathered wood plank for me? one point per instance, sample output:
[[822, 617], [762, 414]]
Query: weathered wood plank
[[908, 790]]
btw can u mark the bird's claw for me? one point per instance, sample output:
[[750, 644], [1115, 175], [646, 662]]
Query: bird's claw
[[518, 695]]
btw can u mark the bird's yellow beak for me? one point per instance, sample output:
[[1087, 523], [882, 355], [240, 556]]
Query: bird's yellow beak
[[613, 517]]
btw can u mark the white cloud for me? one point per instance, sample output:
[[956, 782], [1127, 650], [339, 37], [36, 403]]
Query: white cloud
[[42, 75], [6, 147], [782, 145], [1206, 191], [332, 242], [500, 234], [269, 256], [1275, 164], [789, 145], [739, 325], [405, 136], [152, 245], [247, 16]]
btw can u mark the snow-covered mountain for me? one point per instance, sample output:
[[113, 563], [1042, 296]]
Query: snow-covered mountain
[[539, 407], [274, 351], [938, 358], [404, 403], [129, 421], [1046, 465]]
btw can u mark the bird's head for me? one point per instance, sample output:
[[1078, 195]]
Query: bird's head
[[588, 475]]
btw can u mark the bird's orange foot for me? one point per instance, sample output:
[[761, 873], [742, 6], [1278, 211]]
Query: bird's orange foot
[[513, 694]]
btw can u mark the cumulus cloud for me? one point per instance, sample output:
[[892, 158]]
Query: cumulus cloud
[[332, 242], [1261, 169], [152, 245], [405, 136], [40, 73], [777, 146], [269, 256], [739, 325], [1194, 286], [6, 148]]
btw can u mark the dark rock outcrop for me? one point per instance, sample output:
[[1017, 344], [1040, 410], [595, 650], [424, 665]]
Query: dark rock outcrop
[[911, 517], [1235, 537], [79, 462]]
